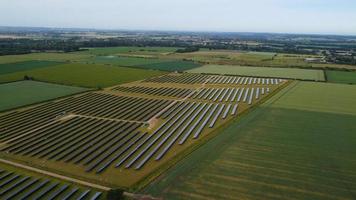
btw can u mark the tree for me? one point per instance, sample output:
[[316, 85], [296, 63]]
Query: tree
[[115, 194]]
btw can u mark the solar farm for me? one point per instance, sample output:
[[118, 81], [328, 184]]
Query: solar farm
[[147, 128], [20, 186], [125, 135]]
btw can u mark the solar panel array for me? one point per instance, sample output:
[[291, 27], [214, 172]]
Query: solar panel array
[[230, 94], [160, 91], [98, 131], [91, 104], [21, 187]]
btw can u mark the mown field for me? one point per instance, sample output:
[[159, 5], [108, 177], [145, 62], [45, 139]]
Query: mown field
[[341, 77], [26, 65], [272, 153], [21, 93], [85, 75], [295, 73], [320, 97], [258, 59], [146, 63]]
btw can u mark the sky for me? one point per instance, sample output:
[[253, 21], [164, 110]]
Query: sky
[[277, 16]]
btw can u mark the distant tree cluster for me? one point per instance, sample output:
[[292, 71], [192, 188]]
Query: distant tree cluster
[[188, 50], [24, 46]]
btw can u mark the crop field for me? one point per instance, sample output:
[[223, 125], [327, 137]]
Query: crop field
[[19, 184], [272, 153], [292, 73], [124, 134], [256, 59], [27, 65], [130, 50], [84, 75], [59, 57], [341, 77], [146, 63], [21, 93], [320, 97]]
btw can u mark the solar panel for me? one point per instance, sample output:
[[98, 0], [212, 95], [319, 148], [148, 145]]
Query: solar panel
[[70, 194], [18, 190], [246, 95], [168, 146], [216, 116], [226, 111], [150, 154], [234, 109], [251, 96], [83, 195], [45, 191], [57, 192], [195, 124], [14, 185], [197, 133], [33, 190], [96, 196], [240, 95]]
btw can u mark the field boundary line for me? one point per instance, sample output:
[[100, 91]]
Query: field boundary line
[[93, 185]]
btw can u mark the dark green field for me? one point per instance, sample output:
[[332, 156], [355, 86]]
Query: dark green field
[[272, 153], [85, 75], [130, 50], [341, 77], [23, 93], [147, 63], [27, 65]]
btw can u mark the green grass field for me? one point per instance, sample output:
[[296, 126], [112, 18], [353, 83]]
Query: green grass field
[[23, 93], [320, 97], [271, 153], [26, 65], [304, 74], [341, 77], [84, 75], [146, 63]]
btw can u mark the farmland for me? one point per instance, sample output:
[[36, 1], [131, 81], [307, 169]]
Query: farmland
[[23, 66], [83, 75], [272, 153], [341, 77], [146, 63], [304, 74], [21, 93], [58, 57], [233, 125], [130, 50], [320, 97], [258, 59], [126, 133]]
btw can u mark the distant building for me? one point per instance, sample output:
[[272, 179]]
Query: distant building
[[315, 60]]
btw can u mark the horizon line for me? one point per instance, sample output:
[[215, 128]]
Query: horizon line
[[182, 31]]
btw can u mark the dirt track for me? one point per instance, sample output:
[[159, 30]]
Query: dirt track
[[55, 175]]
